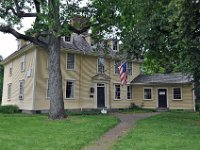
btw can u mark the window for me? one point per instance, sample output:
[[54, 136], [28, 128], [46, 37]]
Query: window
[[21, 89], [48, 89], [9, 90], [69, 89], [176, 93], [117, 91], [70, 61], [129, 92], [115, 45], [101, 63], [129, 68], [10, 69], [67, 38], [116, 65], [22, 63], [147, 93]]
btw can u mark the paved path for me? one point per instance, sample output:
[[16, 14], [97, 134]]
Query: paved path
[[110, 137]]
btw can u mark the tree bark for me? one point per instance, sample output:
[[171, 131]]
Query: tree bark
[[55, 78], [196, 77]]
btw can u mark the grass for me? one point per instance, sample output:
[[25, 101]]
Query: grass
[[36, 132], [167, 131], [137, 110]]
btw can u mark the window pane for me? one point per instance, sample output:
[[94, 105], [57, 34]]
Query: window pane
[[67, 38], [129, 92], [129, 68], [147, 93], [115, 43], [116, 65], [21, 89], [117, 91], [69, 89], [101, 64], [70, 61], [177, 93]]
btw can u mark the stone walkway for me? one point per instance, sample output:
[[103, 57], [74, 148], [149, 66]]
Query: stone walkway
[[110, 137]]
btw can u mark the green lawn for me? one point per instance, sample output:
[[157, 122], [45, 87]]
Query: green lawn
[[36, 132], [167, 131]]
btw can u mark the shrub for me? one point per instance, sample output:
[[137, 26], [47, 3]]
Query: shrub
[[134, 106], [198, 107], [9, 109]]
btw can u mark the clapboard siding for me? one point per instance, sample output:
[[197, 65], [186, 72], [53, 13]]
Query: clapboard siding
[[17, 75], [185, 103]]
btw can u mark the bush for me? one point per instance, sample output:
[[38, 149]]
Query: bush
[[9, 109], [134, 106], [198, 107]]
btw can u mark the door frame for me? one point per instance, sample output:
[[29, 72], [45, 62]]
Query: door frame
[[158, 88], [106, 93]]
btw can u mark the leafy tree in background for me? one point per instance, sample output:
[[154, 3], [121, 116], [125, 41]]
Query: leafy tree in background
[[52, 20], [1, 78], [167, 33]]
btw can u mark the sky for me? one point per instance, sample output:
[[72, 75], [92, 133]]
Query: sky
[[8, 43]]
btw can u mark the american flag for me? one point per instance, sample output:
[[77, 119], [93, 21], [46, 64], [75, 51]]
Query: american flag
[[123, 73]]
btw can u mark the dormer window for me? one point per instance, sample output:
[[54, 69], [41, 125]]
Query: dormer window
[[101, 65], [115, 45], [67, 38]]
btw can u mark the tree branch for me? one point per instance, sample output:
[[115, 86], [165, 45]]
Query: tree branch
[[20, 13], [37, 5], [8, 29], [73, 29]]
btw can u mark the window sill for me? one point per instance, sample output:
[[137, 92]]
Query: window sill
[[148, 99], [117, 99], [129, 99], [70, 70], [177, 99], [8, 99], [69, 98]]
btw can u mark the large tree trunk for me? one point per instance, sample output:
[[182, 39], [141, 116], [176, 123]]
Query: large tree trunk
[[55, 79], [196, 77]]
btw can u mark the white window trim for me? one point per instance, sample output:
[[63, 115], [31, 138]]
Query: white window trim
[[113, 46], [114, 67], [68, 41], [127, 92], [23, 88], [131, 68], [9, 97], [23, 59], [98, 65], [151, 93], [173, 94], [120, 92], [74, 62], [72, 80]]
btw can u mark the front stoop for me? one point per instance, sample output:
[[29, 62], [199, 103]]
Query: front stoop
[[162, 109]]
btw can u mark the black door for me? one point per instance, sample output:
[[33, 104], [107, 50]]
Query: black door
[[100, 97], [162, 98]]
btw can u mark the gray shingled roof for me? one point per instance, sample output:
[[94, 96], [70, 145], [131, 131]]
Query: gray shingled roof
[[79, 44], [162, 78]]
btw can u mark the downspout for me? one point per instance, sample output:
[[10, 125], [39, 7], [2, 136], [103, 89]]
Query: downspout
[[34, 79]]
